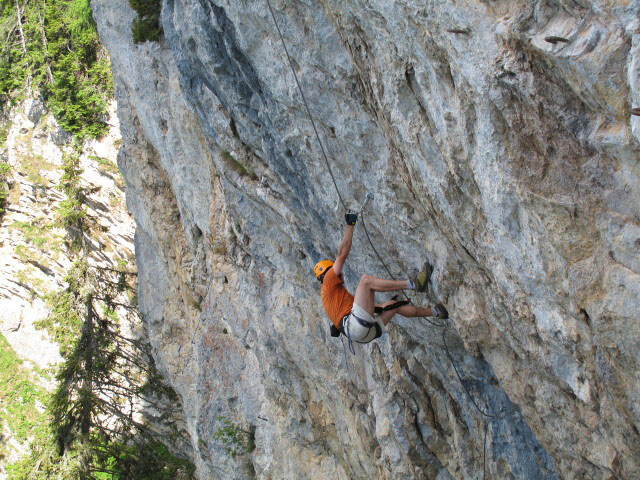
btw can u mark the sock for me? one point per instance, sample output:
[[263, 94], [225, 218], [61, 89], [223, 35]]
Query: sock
[[411, 285]]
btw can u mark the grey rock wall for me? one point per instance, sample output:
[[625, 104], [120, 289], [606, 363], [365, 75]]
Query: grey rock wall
[[508, 160]]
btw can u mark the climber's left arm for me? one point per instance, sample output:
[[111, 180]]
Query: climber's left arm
[[345, 244]]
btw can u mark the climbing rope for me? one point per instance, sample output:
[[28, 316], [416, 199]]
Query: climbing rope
[[366, 231], [306, 106], [326, 159], [444, 325], [489, 416], [484, 413]]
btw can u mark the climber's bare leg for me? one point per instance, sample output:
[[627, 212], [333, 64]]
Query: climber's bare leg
[[406, 311], [368, 285]]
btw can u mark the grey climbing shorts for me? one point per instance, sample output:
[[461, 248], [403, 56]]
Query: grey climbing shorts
[[361, 327]]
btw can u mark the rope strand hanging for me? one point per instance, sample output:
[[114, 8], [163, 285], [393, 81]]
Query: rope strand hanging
[[306, 106], [445, 324], [324, 154]]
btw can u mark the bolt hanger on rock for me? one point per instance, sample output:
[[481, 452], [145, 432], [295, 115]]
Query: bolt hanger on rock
[[463, 31], [555, 39]]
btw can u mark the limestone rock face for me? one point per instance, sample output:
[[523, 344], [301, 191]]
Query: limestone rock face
[[498, 142]]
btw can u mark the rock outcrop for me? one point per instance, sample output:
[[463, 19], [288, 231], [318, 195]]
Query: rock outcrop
[[35, 259], [498, 140]]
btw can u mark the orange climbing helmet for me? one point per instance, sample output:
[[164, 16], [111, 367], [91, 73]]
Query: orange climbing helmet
[[322, 267]]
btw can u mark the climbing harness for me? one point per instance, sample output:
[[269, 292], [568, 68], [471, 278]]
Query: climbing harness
[[444, 325], [373, 330]]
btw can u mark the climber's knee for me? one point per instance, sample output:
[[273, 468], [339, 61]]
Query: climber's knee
[[367, 281]]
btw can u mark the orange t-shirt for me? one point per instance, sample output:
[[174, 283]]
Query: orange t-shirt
[[336, 300]]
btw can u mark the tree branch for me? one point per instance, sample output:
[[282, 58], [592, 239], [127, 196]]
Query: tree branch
[[109, 302], [122, 416], [112, 270]]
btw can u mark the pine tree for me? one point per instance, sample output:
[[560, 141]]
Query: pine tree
[[106, 380], [52, 47]]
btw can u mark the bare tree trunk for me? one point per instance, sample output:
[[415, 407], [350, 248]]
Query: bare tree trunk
[[85, 415], [45, 44], [20, 29]]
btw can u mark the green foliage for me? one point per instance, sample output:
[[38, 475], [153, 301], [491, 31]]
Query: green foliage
[[105, 165], [239, 168], [38, 233], [72, 212], [70, 180], [54, 48], [122, 263], [43, 455], [63, 323], [4, 134], [128, 461], [19, 395], [28, 280], [5, 170], [23, 253], [33, 233], [146, 27], [33, 166], [235, 440]]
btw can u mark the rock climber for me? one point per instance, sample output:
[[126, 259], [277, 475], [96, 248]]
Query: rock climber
[[359, 318]]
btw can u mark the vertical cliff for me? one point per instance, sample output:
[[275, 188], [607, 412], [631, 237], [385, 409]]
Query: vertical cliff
[[498, 141]]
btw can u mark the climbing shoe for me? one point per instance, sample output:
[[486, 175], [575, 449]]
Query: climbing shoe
[[422, 280], [440, 312]]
